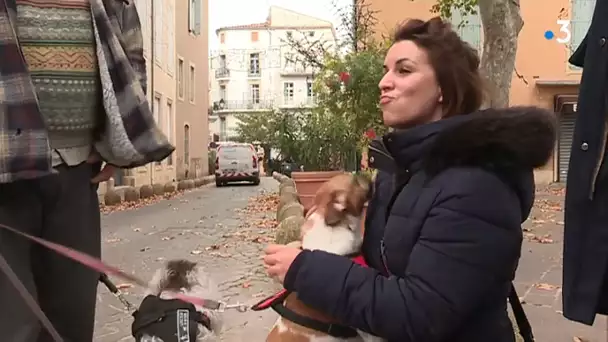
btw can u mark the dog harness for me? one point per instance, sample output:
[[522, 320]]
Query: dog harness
[[172, 320], [276, 302]]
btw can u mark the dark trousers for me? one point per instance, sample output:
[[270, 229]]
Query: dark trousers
[[62, 208]]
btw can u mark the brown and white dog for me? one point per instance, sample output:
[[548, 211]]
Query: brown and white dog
[[163, 318], [334, 225]]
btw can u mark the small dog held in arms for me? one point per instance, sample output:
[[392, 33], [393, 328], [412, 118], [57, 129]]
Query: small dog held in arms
[[163, 318], [333, 224]]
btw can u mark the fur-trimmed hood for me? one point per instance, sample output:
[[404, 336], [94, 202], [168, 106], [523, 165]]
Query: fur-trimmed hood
[[507, 142], [502, 140]]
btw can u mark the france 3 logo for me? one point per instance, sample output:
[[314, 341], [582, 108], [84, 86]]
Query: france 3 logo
[[564, 35]]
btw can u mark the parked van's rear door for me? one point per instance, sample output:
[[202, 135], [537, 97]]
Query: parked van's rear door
[[235, 159]]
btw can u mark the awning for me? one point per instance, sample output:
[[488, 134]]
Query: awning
[[566, 103]]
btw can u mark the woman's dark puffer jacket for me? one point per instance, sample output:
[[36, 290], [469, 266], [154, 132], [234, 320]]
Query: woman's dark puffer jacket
[[443, 255]]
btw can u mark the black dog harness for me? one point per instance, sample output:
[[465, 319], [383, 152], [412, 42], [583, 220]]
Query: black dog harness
[[172, 320]]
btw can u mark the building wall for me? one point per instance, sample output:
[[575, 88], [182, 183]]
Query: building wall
[[192, 129], [161, 83], [279, 64], [541, 64]]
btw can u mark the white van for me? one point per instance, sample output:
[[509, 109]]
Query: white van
[[236, 163]]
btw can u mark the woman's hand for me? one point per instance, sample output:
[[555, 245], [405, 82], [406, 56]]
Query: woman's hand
[[278, 259]]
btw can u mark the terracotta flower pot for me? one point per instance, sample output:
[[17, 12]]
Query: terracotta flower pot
[[308, 182]]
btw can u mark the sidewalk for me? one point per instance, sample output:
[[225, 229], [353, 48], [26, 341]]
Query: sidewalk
[[539, 276]]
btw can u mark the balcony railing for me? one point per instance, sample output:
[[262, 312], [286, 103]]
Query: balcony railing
[[262, 104], [297, 70], [291, 102], [222, 73]]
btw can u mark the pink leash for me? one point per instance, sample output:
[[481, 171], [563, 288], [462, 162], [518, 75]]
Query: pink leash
[[92, 263]]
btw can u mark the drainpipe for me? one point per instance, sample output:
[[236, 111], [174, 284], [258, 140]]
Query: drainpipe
[[151, 83]]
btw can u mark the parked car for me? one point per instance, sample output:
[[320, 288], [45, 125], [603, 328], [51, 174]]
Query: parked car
[[236, 163]]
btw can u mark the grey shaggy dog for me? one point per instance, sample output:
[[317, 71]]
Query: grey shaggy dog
[[188, 278]]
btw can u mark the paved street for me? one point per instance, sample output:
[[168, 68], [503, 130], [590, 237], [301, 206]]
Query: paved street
[[539, 276], [203, 225], [223, 229]]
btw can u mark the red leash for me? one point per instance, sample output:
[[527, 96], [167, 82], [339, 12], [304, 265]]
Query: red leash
[[282, 294]]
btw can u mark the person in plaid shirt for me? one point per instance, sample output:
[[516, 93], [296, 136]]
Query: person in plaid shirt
[[72, 99]]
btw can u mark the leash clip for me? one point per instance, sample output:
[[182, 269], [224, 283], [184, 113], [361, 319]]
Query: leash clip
[[223, 306]]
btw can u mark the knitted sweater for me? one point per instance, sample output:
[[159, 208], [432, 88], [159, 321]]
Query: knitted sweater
[[58, 45]]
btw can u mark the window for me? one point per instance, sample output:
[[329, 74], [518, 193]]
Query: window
[[156, 108], [310, 96], [158, 30], [158, 116], [180, 78], [289, 34], [311, 33], [582, 12], [194, 13], [254, 36], [468, 28], [254, 64], [222, 38], [222, 61], [186, 144], [289, 59], [169, 126], [192, 87], [288, 92], [223, 92], [223, 128], [255, 93], [171, 39]]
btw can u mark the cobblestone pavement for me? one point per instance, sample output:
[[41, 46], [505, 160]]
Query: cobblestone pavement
[[539, 276], [202, 225]]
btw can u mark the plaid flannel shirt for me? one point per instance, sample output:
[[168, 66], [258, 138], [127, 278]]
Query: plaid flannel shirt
[[130, 137]]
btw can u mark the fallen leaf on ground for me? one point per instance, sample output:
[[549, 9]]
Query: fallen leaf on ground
[[144, 249], [124, 286], [196, 252], [540, 239], [221, 255], [546, 287], [167, 238], [246, 285], [106, 209], [212, 248]]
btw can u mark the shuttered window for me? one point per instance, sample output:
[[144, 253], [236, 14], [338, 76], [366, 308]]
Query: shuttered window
[[468, 28], [582, 12]]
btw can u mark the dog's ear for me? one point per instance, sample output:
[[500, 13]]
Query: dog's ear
[[360, 188]]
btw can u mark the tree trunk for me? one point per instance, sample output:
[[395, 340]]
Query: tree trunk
[[502, 23]]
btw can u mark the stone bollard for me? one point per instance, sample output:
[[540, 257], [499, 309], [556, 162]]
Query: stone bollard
[[146, 191], [288, 210], [289, 229], [169, 188], [132, 194], [158, 189], [111, 197]]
